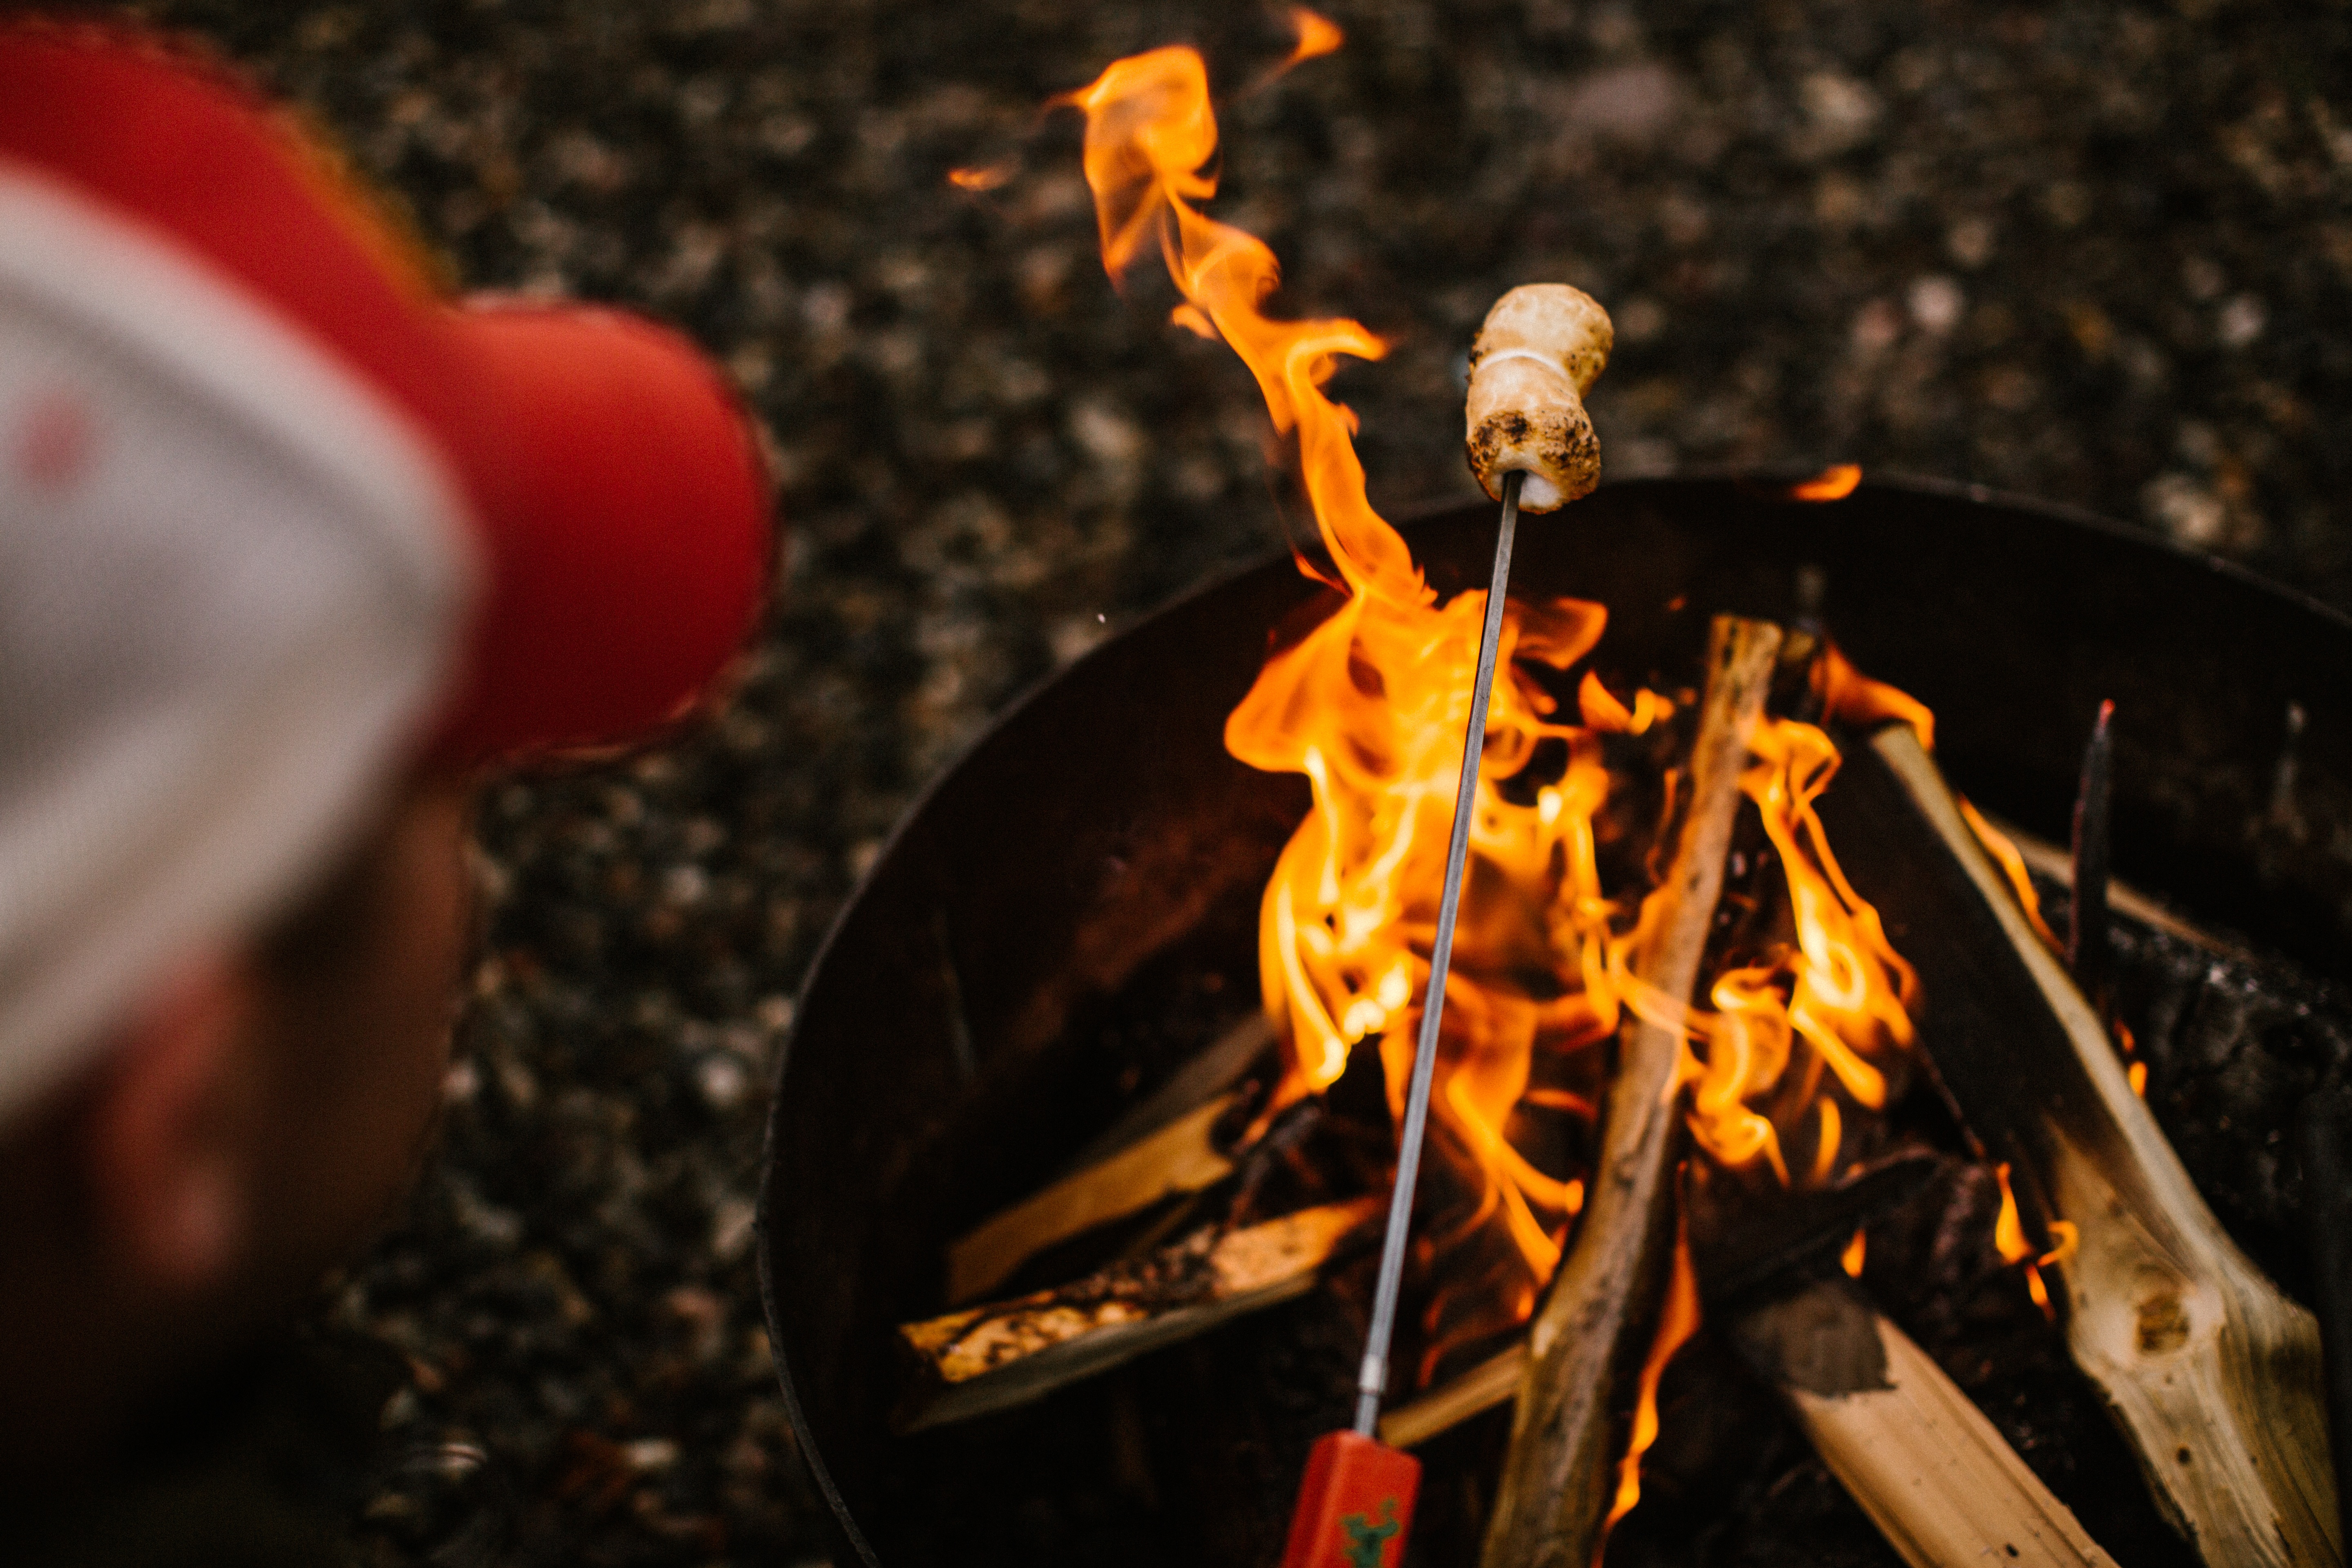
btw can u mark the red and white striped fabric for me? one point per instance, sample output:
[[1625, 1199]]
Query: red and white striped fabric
[[277, 520]]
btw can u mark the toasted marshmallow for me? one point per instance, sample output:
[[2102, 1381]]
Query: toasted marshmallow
[[1539, 352]]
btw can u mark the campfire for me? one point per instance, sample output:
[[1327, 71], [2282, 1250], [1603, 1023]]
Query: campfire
[[1738, 976]]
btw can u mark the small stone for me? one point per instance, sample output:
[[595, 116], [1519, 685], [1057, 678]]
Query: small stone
[[731, 1221], [649, 1454], [722, 1080], [2185, 509], [1936, 303], [1969, 242], [2242, 321]]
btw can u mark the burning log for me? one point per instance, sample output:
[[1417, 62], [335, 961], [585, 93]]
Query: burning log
[[1940, 1483], [1164, 1148], [2212, 1373], [994, 1357], [1593, 1336]]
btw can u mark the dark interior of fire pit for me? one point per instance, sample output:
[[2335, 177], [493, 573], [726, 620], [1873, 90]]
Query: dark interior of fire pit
[[1071, 913]]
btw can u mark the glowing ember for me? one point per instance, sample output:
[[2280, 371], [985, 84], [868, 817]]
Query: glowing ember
[[2135, 1069]]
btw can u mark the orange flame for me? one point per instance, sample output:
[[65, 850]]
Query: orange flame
[[1678, 1320], [2009, 1240], [1833, 483], [1834, 998], [2012, 866], [2008, 1230], [1316, 36], [1852, 697], [1369, 707]]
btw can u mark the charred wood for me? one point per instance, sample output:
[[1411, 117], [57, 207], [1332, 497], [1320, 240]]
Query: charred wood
[[2087, 923], [2323, 1147]]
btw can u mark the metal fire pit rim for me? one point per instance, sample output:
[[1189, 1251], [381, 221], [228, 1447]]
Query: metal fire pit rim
[[1760, 482]]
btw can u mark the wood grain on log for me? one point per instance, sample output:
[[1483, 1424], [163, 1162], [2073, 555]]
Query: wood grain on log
[[1588, 1343]]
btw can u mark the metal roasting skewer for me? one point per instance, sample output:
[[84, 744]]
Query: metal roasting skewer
[[1372, 1381]]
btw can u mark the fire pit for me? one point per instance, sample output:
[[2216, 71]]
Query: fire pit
[[1070, 915]]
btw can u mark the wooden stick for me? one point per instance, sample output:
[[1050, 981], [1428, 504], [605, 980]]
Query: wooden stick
[[994, 1357], [1588, 1343], [1495, 1381], [1213, 1071], [1942, 1485], [2213, 1374], [1158, 1150]]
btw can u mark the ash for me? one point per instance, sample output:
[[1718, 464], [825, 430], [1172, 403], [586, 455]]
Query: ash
[[2099, 253]]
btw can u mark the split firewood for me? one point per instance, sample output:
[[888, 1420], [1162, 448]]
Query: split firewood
[[2213, 1374], [1162, 1149], [1588, 1343], [1742, 1255], [994, 1357], [1942, 1485]]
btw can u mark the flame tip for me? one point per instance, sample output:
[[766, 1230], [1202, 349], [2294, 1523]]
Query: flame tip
[[1835, 482], [1317, 35], [981, 177]]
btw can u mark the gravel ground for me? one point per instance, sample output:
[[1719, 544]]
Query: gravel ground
[[2095, 252]]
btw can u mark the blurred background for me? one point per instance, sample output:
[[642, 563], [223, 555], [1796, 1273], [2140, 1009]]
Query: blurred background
[[2099, 253]]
